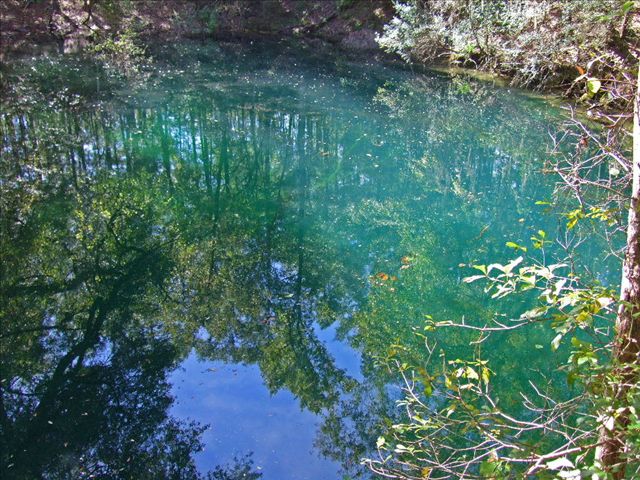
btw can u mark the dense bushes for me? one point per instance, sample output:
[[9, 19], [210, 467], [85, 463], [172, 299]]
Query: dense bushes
[[539, 43]]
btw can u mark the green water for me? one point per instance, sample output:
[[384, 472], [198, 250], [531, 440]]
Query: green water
[[234, 237]]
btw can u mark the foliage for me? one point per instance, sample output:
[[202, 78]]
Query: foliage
[[456, 424], [561, 438], [208, 15], [402, 33], [122, 52], [537, 43]]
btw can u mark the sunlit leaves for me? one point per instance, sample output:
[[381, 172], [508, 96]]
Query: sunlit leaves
[[608, 216], [539, 241], [493, 468], [593, 86], [516, 246]]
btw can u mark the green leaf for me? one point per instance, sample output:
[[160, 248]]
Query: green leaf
[[448, 382], [485, 375], [494, 469], [428, 388], [515, 246], [487, 469], [380, 442], [471, 374], [555, 343], [482, 268], [628, 6], [582, 359], [593, 86], [584, 319]]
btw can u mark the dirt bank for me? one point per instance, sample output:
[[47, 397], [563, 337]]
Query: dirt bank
[[346, 24]]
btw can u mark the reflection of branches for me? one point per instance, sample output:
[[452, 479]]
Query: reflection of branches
[[241, 469]]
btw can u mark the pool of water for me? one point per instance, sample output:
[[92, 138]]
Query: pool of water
[[211, 259]]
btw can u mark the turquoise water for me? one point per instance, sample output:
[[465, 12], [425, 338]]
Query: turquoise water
[[234, 237]]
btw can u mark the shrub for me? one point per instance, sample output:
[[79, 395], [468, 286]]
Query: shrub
[[122, 52], [539, 43], [209, 18]]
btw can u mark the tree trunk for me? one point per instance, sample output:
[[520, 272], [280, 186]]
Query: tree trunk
[[626, 350]]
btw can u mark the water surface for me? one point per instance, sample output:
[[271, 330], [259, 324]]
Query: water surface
[[235, 237]]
